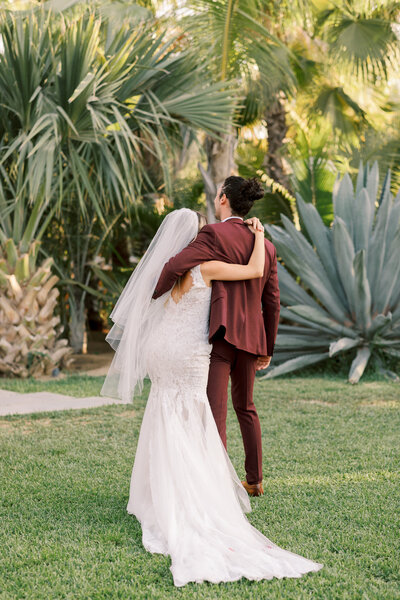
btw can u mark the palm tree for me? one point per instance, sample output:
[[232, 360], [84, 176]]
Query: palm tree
[[274, 49], [337, 50], [78, 122], [239, 47]]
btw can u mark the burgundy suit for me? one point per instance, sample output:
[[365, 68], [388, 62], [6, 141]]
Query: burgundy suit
[[244, 319]]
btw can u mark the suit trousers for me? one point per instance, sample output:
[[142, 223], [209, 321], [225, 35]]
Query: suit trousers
[[228, 361]]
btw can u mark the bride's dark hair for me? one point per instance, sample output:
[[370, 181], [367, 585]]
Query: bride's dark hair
[[242, 193]]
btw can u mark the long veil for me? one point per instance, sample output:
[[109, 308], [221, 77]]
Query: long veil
[[136, 313]]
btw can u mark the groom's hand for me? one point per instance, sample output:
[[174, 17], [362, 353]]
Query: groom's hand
[[263, 362]]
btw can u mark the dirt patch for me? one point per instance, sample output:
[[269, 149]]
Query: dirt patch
[[17, 426], [26, 426], [318, 402], [126, 414], [381, 403], [91, 362], [94, 365]]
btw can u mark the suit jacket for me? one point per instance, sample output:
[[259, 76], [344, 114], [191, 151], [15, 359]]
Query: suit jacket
[[245, 312]]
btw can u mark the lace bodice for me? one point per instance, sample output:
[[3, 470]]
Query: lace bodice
[[181, 338], [194, 305]]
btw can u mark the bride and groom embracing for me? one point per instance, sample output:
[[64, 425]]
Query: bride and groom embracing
[[201, 307]]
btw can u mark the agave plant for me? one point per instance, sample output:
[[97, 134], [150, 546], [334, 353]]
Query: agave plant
[[340, 285]]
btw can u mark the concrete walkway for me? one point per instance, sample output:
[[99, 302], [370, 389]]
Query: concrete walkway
[[14, 403]]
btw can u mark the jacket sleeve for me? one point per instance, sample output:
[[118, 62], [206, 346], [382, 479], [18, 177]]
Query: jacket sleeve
[[271, 304], [197, 252]]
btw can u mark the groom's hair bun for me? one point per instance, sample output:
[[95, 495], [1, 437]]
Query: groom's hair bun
[[242, 193]]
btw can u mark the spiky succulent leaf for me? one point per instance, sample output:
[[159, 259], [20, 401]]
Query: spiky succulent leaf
[[321, 317], [344, 343], [359, 363], [300, 257], [292, 292], [380, 323], [343, 197], [364, 210], [362, 294], [344, 252], [297, 363], [320, 238]]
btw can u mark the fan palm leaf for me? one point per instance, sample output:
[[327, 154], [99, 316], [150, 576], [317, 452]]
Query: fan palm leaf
[[366, 41]]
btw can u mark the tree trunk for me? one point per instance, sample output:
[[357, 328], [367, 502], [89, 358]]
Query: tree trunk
[[77, 320], [220, 164], [94, 320], [277, 128]]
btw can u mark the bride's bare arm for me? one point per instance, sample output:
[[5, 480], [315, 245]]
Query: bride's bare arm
[[222, 271]]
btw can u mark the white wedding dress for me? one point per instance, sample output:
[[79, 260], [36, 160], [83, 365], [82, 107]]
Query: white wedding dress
[[184, 489]]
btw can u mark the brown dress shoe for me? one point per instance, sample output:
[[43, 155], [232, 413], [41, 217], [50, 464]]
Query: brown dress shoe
[[253, 489]]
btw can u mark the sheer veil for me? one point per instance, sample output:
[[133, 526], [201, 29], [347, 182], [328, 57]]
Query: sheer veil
[[136, 313]]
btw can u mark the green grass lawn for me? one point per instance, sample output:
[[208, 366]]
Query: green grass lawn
[[332, 482]]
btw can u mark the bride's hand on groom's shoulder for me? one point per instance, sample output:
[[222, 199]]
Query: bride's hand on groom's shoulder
[[254, 225]]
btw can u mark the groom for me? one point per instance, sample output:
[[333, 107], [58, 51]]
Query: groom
[[243, 317]]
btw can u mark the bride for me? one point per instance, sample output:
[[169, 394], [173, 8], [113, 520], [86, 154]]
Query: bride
[[184, 489]]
